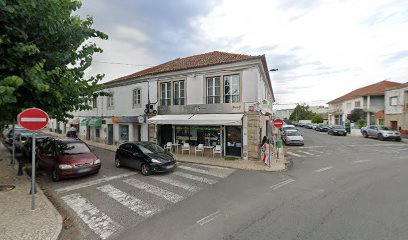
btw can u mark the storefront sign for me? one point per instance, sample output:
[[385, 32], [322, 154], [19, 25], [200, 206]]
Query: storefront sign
[[128, 119], [202, 108]]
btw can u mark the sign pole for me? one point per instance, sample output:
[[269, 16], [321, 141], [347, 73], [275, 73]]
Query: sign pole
[[14, 147], [33, 190], [270, 140]]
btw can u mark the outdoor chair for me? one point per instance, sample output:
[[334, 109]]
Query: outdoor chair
[[167, 146], [185, 147], [199, 148], [217, 150]]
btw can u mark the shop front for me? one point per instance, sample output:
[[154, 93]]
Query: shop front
[[207, 129], [129, 127]]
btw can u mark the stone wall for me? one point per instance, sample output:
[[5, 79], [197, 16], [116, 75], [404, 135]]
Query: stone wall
[[253, 126]]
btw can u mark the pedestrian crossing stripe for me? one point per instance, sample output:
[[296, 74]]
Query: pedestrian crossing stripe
[[176, 183], [294, 154], [133, 203], [100, 223], [195, 178], [169, 196], [198, 170]]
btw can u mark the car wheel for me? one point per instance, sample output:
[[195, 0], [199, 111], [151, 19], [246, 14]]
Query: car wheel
[[398, 139], [145, 169], [365, 134], [55, 175], [117, 162], [380, 137]]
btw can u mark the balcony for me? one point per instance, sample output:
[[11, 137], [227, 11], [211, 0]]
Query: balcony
[[202, 108]]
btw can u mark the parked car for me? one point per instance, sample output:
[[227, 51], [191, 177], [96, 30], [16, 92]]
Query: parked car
[[9, 135], [308, 125], [380, 132], [314, 125], [293, 137], [26, 150], [288, 127], [20, 141], [322, 128], [67, 158], [337, 130], [144, 156]]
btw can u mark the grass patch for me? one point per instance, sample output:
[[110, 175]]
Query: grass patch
[[230, 158]]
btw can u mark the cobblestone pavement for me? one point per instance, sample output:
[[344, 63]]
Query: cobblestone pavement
[[17, 220]]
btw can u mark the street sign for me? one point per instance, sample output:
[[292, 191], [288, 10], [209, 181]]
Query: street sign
[[33, 119], [278, 123]]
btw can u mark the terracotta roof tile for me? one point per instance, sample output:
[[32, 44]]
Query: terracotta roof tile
[[374, 89]]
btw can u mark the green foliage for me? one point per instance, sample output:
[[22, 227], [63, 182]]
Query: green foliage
[[356, 114], [317, 119], [230, 158], [301, 112], [44, 50], [362, 123]]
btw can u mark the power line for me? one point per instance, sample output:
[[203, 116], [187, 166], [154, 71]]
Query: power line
[[129, 64]]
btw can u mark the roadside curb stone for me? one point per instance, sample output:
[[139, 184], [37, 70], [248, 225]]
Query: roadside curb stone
[[17, 220]]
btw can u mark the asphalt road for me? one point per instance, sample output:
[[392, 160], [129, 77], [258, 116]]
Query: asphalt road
[[338, 188]]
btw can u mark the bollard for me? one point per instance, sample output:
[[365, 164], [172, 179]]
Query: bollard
[[20, 167]]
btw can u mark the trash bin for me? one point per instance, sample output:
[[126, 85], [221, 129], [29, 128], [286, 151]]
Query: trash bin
[[347, 127]]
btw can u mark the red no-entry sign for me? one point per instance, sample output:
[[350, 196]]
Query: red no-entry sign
[[33, 119], [278, 123]]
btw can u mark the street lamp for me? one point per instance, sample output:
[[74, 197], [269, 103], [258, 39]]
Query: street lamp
[[273, 69]]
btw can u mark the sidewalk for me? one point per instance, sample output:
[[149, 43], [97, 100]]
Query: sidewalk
[[17, 220], [278, 165]]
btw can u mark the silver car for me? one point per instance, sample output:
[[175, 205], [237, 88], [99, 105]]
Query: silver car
[[293, 137]]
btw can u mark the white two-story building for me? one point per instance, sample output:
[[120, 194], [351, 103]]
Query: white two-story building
[[211, 99], [396, 108]]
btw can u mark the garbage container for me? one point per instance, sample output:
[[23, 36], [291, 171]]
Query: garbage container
[[347, 127]]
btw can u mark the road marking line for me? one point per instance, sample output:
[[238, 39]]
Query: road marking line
[[215, 167], [220, 175], [134, 204], [361, 161], [169, 196], [294, 154], [177, 183], [93, 182], [323, 169], [26, 119], [194, 177], [96, 220], [316, 151], [312, 147], [281, 184], [308, 153], [209, 218]]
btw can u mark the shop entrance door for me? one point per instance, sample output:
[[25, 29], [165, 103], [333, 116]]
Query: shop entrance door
[[88, 132], [110, 134], [165, 134], [233, 141]]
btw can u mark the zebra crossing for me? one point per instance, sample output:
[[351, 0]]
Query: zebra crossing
[[141, 196]]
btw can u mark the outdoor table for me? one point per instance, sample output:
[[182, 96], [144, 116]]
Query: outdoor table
[[208, 147], [175, 145]]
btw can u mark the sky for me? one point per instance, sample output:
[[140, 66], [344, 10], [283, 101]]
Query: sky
[[322, 48]]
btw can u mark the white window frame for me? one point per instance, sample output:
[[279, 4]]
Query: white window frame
[[167, 98], [137, 97], [394, 101], [110, 103], [213, 96], [177, 86], [232, 95], [359, 104]]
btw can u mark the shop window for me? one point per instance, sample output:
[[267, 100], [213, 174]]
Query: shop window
[[234, 143], [124, 132], [97, 132], [179, 93], [194, 135], [213, 90], [231, 89]]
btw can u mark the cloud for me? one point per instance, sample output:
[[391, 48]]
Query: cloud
[[396, 57]]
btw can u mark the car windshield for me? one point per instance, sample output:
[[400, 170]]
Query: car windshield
[[292, 133], [338, 127], [144, 150], [154, 148], [384, 128], [72, 148], [289, 128]]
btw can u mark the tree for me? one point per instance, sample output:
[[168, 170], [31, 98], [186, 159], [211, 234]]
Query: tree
[[301, 112], [356, 114], [45, 49], [317, 119]]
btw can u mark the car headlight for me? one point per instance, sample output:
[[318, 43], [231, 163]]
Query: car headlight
[[155, 161], [65, 166], [97, 161]]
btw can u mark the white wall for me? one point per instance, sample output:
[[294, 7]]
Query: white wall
[[250, 83], [399, 109], [195, 90]]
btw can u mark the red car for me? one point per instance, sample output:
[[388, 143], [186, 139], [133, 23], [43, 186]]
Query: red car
[[67, 158]]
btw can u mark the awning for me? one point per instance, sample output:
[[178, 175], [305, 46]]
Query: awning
[[84, 122], [198, 119], [95, 122]]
